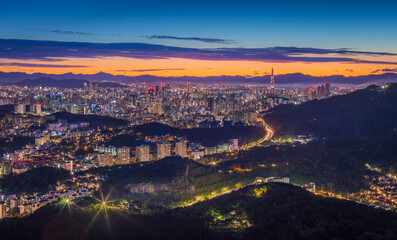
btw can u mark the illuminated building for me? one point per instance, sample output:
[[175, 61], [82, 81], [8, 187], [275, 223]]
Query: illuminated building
[[41, 140], [181, 149], [37, 108], [163, 150], [272, 87], [142, 153], [123, 155], [3, 210], [20, 108], [105, 159], [74, 109]]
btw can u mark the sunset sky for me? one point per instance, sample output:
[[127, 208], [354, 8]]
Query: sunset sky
[[199, 38]]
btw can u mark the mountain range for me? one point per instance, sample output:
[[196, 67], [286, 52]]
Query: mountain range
[[291, 78], [63, 83]]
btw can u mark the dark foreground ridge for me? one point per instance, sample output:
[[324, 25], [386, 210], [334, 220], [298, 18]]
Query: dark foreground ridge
[[272, 211]]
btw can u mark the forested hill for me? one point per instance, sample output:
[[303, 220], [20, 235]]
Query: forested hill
[[366, 112], [205, 136], [93, 120], [272, 211]]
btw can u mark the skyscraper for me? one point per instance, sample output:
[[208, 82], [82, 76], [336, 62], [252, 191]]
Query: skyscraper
[[123, 155], [20, 108], [142, 153], [328, 89], [3, 210], [74, 109], [272, 88], [163, 150], [181, 149], [37, 108]]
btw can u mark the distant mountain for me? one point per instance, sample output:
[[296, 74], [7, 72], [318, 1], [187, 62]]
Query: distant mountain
[[292, 78], [64, 83], [366, 112]]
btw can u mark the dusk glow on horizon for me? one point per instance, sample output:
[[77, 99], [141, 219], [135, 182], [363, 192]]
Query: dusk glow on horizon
[[176, 38]]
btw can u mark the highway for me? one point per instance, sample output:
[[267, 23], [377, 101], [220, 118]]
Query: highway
[[267, 137]]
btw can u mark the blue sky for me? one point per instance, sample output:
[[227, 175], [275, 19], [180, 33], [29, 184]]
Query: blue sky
[[365, 25]]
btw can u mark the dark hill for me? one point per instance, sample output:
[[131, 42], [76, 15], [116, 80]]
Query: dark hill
[[9, 108], [205, 136], [35, 180], [366, 112], [163, 170], [15, 143], [94, 120], [273, 211], [172, 180]]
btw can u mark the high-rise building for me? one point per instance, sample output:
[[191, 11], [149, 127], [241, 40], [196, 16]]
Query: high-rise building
[[181, 148], [272, 87], [163, 150], [105, 159], [90, 86], [123, 155], [142, 153], [73, 109], [3, 210], [328, 89], [37, 108], [158, 109], [20, 108]]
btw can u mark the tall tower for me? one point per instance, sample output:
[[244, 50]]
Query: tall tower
[[272, 83]]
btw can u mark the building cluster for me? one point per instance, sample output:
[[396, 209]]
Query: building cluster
[[67, 144], [182, 106], [381, 193], [13, 205], [260, 180], [155, 148], [322, 91]]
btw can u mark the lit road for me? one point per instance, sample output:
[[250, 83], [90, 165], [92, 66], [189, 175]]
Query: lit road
[[267, 137], [219, 194]]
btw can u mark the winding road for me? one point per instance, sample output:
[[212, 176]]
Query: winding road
[[267, 137]]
